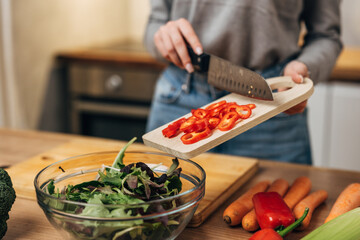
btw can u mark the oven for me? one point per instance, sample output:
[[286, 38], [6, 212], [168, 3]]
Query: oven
[[110, 101]]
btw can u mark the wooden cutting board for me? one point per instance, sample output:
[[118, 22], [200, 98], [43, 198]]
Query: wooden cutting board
[[264, 110], [224, 174]]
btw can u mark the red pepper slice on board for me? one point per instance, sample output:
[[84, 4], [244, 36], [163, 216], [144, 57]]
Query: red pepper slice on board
[[169, 133], [172, 129], [215, 105], [199, 113], [197, 126], [188, 123], [271, 210], [251, 105], [213, 122], [176, 125], [230, 107], [222, 115], [243, 111], [228, 121], [194, 137], [271, 234], [215, 112]]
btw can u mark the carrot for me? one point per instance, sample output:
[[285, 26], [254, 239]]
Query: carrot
[[280, 186], [249, 221], [298, 190], [348, 199], [234, 213], [312, 201]]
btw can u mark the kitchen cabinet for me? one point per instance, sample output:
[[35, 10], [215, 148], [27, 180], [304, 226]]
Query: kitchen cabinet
[[334, 115], [344, 127], [334, 124], [317, 120], [110, 90], [334, 118]]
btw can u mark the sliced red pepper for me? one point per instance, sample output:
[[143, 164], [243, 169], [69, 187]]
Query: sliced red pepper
[[213, 122], [243, 111], [199, 113], [176, 125], [198, 125], [188, 123], [271, 210], [215, 112], [220, 115], [228, 121], [194, 137], [215, 105], [169, 133], [224, 111], [172, 129], [251, 105], [230, 107]]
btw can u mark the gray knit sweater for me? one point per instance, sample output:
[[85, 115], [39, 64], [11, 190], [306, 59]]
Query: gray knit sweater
[[258, 33]]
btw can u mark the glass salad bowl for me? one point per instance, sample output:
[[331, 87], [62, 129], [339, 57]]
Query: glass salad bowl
[[162, 214]]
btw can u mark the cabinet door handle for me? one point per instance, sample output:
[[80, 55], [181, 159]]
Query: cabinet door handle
[[113, 83], [112, 109]]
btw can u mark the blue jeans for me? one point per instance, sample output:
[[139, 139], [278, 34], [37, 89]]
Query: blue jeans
[[282, 138]]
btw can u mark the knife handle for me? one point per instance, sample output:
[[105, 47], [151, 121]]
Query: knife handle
[[200, 62]]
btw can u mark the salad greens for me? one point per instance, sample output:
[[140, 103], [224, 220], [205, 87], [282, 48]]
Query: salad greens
[[121, 185]]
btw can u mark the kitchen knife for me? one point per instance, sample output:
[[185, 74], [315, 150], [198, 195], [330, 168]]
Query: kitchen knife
[[227, 76]]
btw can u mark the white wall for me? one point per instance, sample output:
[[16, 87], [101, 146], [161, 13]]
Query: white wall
[[10, 106], [139, 11], [350, 18], [39, 29], [334, 118], [333, 113]]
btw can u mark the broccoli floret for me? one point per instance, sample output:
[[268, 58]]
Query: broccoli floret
[[7, 198], [3, 228], [4, 217], [4, 177]]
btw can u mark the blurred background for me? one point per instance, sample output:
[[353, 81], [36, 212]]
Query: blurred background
[[80, 67]]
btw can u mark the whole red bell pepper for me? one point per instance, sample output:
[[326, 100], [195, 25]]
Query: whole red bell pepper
[[271, 210], [271, 234]]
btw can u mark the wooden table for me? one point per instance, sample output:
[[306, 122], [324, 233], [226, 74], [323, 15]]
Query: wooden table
[[27, 221], [347, 67]]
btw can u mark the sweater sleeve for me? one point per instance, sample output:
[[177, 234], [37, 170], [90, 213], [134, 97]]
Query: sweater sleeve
[[322, 43], [160, 15]]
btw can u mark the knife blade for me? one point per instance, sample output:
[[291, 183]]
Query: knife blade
[[230, 77]]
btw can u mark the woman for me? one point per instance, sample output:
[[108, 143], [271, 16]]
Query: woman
[[260, 35]]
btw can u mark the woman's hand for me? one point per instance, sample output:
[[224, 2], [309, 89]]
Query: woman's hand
[[169, 40], [297, 71]]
